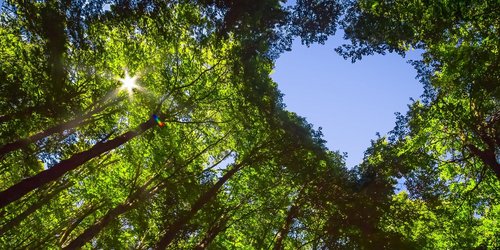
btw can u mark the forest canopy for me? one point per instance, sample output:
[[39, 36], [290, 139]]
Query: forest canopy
[[148, 124]]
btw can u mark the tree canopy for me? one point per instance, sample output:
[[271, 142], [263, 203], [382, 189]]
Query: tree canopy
[[144, 124]]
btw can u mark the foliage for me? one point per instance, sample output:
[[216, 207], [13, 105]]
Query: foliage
[[89, 168], [446, 148], [83, 164]]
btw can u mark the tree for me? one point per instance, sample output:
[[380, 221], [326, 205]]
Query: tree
[[460, 64], [84, 164], [446, 147], [90, 168]]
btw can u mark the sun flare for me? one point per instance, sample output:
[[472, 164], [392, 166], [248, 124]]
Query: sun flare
[[129, 83]]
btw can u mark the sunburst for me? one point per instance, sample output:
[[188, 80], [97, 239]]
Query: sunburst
[[129, 83]]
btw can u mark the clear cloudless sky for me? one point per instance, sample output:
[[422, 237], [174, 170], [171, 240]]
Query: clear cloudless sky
[[351, 102]]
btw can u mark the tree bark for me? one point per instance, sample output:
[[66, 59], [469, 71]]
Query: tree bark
[[27, 185], [141, 194], [93, 230], [282, 234], [179, 224], [23, 113], [77, 222], [20, 217], [487, 157], [23, 142], [212, 233], [138, 196]]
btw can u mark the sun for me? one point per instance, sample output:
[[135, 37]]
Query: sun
[[129, 83]]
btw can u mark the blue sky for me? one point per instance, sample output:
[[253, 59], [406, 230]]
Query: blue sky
[[351, 102]]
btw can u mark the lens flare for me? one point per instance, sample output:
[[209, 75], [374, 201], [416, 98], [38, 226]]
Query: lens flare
[[157, 119]]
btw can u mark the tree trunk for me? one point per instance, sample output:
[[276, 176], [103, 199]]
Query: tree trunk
[[282, 234], [20, 114], [139, 195], [179, 224], [77, 222], [27, 185], [93, 230], [20, 217], [488, 157], [212, 233], [23, 142]]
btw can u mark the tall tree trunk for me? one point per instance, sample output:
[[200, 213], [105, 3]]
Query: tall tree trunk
[[488, 157], [212, 233], [27, 185], [51, 237], [77, 222], [136, 198], [282, 234], [93, 230], [25, 113], [44, 200], [60, 128], [179, 224]]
